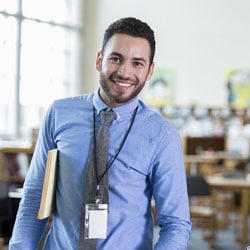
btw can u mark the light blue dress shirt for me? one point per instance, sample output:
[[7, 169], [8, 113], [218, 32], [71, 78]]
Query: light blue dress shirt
[[150, 163]]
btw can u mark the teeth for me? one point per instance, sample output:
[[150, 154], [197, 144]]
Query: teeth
[[123, 84]]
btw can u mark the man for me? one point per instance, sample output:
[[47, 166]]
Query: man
[[149, 163]]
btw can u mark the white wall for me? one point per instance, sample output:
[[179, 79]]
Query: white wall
[[198, 39]]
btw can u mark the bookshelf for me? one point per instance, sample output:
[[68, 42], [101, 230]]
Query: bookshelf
[[191, 145], [13, 160], [206, 121]]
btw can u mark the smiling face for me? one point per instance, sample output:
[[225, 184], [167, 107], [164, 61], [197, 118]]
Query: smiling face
[[124, 68]]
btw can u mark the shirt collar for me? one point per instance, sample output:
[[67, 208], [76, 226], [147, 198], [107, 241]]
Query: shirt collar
[[120, 111]]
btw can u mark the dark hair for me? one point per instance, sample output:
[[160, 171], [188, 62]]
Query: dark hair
[[133, 27]]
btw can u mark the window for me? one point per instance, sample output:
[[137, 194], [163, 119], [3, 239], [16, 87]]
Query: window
[[39, 47]]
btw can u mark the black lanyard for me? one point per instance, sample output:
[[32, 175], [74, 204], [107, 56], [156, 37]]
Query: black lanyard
[[109, 164]]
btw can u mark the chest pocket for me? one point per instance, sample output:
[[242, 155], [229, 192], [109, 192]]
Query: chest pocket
[[134, 162]]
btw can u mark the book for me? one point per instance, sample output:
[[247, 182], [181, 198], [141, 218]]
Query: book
[[49, 184]]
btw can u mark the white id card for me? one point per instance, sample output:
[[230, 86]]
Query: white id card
[[96, 216]]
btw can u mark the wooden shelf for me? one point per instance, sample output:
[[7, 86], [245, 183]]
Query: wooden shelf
[[7, 151], [16, 150], [192, 144]]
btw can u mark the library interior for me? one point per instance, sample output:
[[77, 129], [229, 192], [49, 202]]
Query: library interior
[[201, 84]]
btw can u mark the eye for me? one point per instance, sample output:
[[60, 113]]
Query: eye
[[115, 59], [139, 64]]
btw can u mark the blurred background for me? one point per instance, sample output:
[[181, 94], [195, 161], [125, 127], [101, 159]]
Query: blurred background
[[201, 84]]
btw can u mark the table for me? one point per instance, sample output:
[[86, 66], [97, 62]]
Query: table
[[207, 163], [220, 183], [16, 194]]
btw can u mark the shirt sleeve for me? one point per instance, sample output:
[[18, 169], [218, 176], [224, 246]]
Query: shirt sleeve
[[170, 194], [28, 229]]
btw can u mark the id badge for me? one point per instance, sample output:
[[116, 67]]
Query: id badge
[[96, 216]]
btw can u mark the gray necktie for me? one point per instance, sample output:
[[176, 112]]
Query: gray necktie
[[98, 161]]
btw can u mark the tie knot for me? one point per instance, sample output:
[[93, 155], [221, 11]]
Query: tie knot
[[107, 116]]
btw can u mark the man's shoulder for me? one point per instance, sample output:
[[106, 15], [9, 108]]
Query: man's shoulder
[[68, 106], [156, 120], [88, 98], [153, 115], [69, 103]]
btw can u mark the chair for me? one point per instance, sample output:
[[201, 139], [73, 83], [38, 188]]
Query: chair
[[1, 243], [203, 215], [5, 207]]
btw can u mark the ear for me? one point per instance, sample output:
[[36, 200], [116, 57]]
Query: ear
[[98, 62], [150, 71]]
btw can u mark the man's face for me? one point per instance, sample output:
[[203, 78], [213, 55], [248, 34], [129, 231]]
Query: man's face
[[124, 68]]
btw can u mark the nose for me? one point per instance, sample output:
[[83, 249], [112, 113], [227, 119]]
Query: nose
[[124, 70]]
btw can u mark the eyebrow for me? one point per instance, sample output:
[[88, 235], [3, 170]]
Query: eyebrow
[[134, 59], [140, 59]]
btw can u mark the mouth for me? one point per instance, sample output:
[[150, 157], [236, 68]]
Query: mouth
[[123, 84]]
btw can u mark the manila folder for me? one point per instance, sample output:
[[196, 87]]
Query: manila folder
[[49, 184]]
